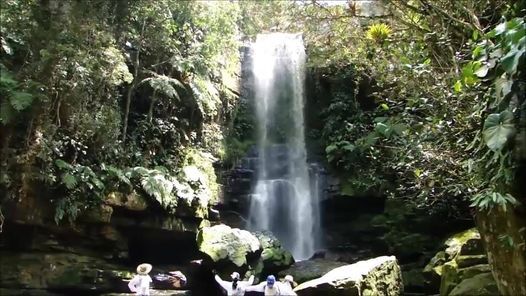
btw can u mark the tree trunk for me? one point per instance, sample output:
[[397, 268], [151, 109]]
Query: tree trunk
[[504, 234], [132, 86], [152, 104]]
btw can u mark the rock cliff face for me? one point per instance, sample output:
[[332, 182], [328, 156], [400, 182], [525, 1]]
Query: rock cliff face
[[99, 251]]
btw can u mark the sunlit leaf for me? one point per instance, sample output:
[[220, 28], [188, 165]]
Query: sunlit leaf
[[482, 71], [458, 86]]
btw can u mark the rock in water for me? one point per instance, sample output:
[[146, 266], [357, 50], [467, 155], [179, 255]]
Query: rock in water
[[379, 276]]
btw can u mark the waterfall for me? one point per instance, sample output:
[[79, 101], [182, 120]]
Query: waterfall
[[285, 199]]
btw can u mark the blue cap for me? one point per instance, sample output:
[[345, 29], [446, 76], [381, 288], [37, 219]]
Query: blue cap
[[271, 280]]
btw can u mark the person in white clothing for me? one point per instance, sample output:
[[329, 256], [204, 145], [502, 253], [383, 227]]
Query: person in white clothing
[[140, 284], [287, 286], [235, 287], [269, 287]]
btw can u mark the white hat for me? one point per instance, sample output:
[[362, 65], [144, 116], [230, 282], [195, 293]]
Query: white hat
[[144, 268], [234, 275], [290, 279]]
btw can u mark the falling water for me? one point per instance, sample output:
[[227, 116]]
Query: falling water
[[285, 199]]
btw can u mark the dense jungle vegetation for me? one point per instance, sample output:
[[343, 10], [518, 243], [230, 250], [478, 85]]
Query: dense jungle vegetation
[[99, 96]]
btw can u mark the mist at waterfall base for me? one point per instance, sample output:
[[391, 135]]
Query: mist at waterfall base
[[285, 199]]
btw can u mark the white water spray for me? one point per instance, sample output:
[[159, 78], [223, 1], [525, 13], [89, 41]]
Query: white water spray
[[285, 200]]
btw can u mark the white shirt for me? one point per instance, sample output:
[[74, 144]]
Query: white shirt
[[140, 284], [262, 287], [240, 289], [286, 289]]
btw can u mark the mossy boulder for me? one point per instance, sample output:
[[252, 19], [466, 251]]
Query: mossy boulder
[[273, 256], [462, 259], [449, 278], [467, 241], [433, 270], [379, 276], [413, 279], [479, 285], [471, 271], [220, 242]]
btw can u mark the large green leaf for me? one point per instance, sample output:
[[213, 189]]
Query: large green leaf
[[498, 129], [383, 129], [510, 62]]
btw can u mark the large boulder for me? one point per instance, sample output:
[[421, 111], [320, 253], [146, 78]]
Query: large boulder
[[220, 242], [479, 285], [273, 256], [307, 270], [379, 276], [464, 243], [463, 258]]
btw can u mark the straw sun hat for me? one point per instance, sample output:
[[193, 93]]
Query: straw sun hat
[[144, 268]]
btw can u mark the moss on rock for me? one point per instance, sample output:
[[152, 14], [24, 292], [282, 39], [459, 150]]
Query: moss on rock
[[231, 244], [479, 285], [379, 276], [274, 256], [455, 243], [463, 259]]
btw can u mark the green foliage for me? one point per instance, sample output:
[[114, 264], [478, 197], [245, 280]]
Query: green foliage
[[77, 181], [403, 124], [378, 32], [67, 72], [496, 74], [165, 85], [15, 99], [487, 200], [157, 184], [199, 171]]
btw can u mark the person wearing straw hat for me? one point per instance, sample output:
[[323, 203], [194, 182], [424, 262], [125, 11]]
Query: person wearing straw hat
[[140, 284], [235, 287]]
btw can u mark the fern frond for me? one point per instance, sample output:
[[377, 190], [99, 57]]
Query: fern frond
[[69, 180], [165, 85], [6, 112]]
